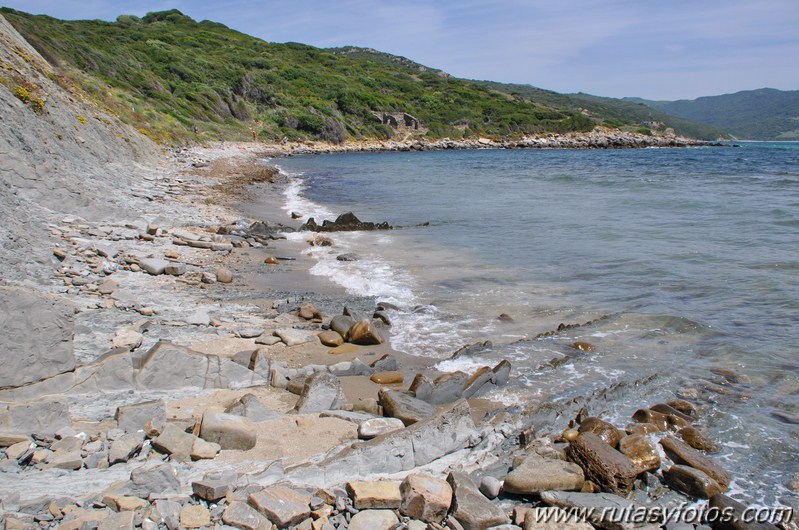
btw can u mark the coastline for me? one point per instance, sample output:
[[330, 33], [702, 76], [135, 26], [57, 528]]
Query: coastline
[[223, 320]]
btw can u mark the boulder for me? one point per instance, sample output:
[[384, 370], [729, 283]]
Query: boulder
[[224, 275], [250, 407], [736, 513], [202, 450], [379, 494], [404, 406], [641, 452], [175, 269], [241, 515], [321, 391], [490, 486], [341, 324], [131, 418], [693, 437], [682, 453], [470, 508], [281, 505], [373, 427], [425, 498], [214, 486], [195, 516], [154, 266], [330, 338], [128, 339], [535, 474], [159, 479], [175, 442], [373, 520], [122, 449], [364, 333], [228, 430], [692, 482], [293, 337], [607, 432], [37, 336], [603, 465]]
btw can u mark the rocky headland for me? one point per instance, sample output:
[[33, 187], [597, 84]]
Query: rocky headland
[[168, 362]]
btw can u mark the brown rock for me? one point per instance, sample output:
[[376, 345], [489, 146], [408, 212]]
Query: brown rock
[[271, 260], [124, 503], [425, 498], [668, 410], [693, 437], [655, 418], [374, 495], [195, 516], [330, 338], [224, 275], [583, 346], [603, 465], [607, 432], [387, 378], [686, 407], [535, 474], [309, 312], [641, 452], [682, 453], [364, 333], [475, 376], [691, 481], [641, 428], [281, 505]]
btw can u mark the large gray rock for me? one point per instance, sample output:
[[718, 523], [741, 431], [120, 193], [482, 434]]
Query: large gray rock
[[470, 508], [175, 442], [123, 449], [170, 367], [321, 391], [404, 406], [154, 266], [603, 510], [250, 407], [131, 418], [228, 430], [37, 336], [41, 417], [536, 474], [158, 479], [447, 431]]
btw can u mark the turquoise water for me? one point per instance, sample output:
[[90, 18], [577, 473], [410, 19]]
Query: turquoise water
[[692, 255]]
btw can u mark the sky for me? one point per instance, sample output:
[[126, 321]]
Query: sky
[[679, 49]]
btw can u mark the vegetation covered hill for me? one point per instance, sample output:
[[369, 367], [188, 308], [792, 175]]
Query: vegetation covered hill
[[764, 114], [170, 76]]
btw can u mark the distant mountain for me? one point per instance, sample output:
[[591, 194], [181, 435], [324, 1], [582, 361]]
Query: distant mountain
[[764, 114]]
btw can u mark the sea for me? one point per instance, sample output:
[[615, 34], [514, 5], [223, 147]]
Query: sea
[[682, 264]]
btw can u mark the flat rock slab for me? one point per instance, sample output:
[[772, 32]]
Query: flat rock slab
[[373, 520], [228, 430], [374, 427], [281, 505], [681, 453], [242, 515], [536, 474], [154, 266], [175, 442], [380, 494], [602, 464], [37, 336], [294, 337]]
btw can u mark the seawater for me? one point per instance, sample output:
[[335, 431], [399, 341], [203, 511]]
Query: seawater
[[689, 258]]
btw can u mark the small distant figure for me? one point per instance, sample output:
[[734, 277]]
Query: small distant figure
[[285, 140], [194, 128], [254, 134]]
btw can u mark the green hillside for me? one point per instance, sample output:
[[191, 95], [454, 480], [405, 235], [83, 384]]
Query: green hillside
[[764, 114], [616, 113], [169, 75]]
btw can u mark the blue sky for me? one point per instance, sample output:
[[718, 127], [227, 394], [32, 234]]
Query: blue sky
[[657, 50]]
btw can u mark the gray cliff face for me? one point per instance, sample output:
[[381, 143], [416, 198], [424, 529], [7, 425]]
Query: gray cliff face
[[68, 158]]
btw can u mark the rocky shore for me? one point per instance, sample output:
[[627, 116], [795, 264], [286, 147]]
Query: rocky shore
[[169, 363]]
